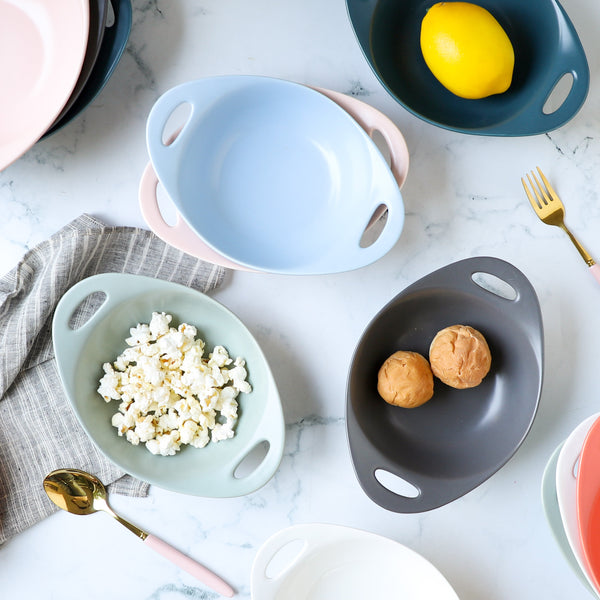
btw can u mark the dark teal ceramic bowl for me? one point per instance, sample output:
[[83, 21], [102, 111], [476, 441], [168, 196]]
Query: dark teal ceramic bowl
[[114, 41], [547, 48]]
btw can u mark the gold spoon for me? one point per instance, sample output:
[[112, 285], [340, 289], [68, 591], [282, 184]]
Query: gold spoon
[[81, 493]]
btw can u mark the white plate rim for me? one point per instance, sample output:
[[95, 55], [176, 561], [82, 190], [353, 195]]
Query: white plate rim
[[566, 489], [320, 536]]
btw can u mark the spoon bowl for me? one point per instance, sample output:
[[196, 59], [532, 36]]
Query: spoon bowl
[[71, 490], [82, 493]]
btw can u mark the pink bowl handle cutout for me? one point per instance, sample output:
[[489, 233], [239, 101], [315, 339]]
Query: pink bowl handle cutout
[[372, 120], [191, 566], [180, 235], [595, 271]]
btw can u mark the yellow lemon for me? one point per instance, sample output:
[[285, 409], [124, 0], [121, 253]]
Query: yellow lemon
[[467, 50]]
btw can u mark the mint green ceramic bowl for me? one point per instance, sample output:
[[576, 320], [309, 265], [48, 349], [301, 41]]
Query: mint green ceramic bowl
[[212, 471]]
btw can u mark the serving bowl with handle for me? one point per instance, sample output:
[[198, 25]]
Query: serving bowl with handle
[[274, 175], [126, 300]]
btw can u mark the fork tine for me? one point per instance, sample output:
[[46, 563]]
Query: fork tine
[[542, 190], [553, 194], [532, 199], [536, 190]]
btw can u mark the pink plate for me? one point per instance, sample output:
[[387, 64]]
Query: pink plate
[[42, 47], [180, 235], [588, 502]]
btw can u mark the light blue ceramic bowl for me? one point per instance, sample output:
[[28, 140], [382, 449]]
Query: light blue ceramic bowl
[[274, 175], [211, 471]]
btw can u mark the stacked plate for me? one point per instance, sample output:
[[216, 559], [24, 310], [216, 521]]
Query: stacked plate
[[55, 57], [571, 499], [274, 176]]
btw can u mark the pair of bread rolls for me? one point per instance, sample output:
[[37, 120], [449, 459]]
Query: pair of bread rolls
[[458, 355]]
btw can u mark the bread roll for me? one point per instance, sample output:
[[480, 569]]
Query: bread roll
[[405, 379], [459, 355]]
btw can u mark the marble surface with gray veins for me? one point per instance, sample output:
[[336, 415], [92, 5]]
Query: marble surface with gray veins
[[463, 197]]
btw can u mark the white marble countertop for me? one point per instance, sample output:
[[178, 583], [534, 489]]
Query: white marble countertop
[[463, 198]]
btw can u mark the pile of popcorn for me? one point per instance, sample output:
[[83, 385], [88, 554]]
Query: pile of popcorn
[[169, 393]]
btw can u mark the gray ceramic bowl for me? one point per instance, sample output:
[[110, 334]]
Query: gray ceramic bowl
[[458, 439], [211, 471]]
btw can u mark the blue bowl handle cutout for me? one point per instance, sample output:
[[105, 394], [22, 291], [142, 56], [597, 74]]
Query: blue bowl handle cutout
[[165, 156], [349, 255]]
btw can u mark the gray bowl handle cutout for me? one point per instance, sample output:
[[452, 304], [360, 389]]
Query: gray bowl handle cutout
[[397, 487]]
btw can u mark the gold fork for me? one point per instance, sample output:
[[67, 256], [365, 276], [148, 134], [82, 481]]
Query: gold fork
[[551, 211]]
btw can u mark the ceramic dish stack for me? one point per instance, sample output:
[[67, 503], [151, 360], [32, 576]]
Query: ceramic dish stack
[[55, 57], [571, 499], [270, 175]]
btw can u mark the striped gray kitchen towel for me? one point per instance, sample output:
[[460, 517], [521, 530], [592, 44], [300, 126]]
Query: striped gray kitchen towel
[[38, 430]]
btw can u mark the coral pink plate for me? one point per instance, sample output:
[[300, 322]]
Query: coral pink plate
[[588, 502], [42, 47]]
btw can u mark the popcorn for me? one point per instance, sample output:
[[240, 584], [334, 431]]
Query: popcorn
[[170, 394]]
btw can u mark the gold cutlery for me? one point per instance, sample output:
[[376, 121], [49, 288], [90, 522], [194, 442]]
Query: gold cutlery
[[551, 211], [81, 493]]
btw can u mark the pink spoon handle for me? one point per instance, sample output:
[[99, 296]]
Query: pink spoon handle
[[595, 271], [189, 565]]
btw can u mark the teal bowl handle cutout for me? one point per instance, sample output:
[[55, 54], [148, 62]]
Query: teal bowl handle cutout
[[62, 331], [269, 430], [166, 155], [570, 59]]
